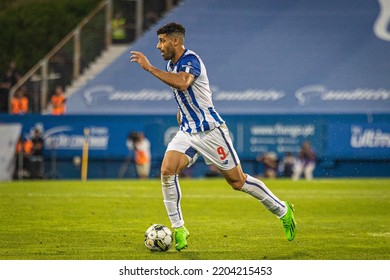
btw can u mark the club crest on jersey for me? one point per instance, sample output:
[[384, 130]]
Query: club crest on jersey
[[225, 162], [188, 66]]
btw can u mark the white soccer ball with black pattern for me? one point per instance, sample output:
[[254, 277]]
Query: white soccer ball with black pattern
[[158, 238]]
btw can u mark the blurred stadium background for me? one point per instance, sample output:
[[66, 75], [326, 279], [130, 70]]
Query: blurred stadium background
[[282, 72]]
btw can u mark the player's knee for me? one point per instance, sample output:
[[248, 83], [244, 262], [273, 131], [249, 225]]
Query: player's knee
[[236, 185], [167, 169], [165, 172], [168, 180]]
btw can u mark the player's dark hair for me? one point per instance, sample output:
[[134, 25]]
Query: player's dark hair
[[171, 28]]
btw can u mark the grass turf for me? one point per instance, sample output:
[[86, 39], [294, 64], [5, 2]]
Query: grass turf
[[95, 220]]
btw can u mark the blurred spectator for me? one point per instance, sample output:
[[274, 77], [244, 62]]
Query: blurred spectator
[[36, 169], [270, 162], [150, 18], [23, 154], [118, 28], [286, 165], [58, 101], [213, 171], [305, 163], [19, 103], [7, 81], [140, 146], [5, 86], [13, 72]]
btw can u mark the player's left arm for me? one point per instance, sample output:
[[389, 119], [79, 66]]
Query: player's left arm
[[180, 81]]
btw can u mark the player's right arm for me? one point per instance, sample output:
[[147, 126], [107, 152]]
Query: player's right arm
[[180, 81]]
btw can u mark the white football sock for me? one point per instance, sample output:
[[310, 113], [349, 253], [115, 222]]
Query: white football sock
[[172, 196], [259, 190]]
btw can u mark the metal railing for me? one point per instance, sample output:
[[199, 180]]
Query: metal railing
[[74, 53], [67, 60]]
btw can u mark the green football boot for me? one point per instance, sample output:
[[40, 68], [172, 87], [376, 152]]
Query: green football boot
[[181, 236], [289, 224]]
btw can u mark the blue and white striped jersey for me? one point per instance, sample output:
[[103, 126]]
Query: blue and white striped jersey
[[195, 103]]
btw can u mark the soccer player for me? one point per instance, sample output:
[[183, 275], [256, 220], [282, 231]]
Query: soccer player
[[202, 131]]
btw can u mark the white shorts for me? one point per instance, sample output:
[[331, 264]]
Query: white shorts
[[214, 145]]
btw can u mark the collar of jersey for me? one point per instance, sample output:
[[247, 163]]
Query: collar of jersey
[[171, 64]]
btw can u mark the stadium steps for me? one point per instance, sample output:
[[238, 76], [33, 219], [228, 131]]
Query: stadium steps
[[106, 58], [96, 67]]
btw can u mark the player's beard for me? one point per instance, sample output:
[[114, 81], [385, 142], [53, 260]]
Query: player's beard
[[168, 54]]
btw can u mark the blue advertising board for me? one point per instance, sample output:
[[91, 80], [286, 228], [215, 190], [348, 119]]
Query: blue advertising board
[[65, 135], [255, 135], [343, 138], [252, 135], [359, 141]]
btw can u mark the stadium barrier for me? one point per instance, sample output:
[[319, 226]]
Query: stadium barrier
[[346, 146]]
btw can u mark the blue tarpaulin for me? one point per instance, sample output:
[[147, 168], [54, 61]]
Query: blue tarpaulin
[[262, 57]]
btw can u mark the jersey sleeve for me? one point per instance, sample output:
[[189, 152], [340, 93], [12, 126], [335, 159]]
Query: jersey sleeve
[[190, 64]]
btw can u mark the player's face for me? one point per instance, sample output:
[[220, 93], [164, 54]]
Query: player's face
[[166, 46]]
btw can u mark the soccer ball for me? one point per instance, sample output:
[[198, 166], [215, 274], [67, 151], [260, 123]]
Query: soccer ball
[[158, 238]]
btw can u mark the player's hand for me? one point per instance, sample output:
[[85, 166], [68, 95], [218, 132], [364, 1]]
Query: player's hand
[[141, 59]]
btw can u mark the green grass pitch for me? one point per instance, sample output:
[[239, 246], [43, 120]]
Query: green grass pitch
[[106, 220]]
